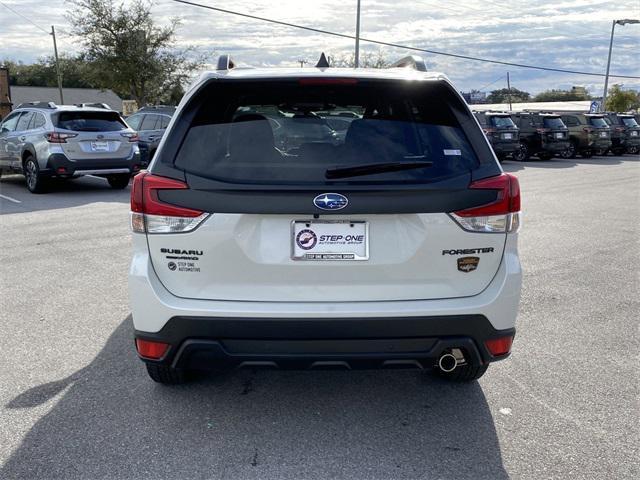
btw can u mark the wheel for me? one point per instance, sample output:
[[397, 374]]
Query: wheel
[[120, 181], [464, 373], [36, 183], [632, 150], [545, 155], [165, 374], [588, 153], [569, 152], [522, 153]]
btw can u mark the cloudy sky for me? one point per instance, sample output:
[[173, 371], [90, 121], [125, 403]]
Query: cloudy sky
[[570, 34]]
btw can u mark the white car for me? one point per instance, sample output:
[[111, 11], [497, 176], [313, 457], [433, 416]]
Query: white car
[[395, 246]]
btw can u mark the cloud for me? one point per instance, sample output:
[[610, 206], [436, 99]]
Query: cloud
[[572, 34]]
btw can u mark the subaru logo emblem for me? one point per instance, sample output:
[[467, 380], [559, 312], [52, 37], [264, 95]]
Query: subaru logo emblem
[[330, 201]]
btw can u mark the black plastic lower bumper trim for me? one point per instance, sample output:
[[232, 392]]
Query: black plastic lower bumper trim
[[217, 342]]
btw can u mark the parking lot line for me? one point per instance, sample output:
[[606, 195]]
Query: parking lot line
[[10, 199]]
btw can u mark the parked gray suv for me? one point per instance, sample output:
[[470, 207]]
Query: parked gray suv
[[43, 140], [150, 123]]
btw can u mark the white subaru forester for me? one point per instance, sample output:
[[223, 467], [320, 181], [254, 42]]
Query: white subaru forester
[[324, 217]]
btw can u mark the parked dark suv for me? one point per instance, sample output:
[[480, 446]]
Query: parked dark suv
[[150, 123], [541, 134], [588, 133], [502, 133], [625, 133]]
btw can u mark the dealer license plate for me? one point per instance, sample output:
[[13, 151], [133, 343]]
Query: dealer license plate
[[559, 135], [99, 146], [330, 240], [603, 134], [508, 136]]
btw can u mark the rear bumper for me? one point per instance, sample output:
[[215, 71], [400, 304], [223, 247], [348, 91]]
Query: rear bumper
[[299, 334], [100, 166], [301, 343], [506, 147], [555, 147]]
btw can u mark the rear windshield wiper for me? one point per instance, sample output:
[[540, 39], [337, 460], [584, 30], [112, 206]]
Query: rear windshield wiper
[[371, 168]]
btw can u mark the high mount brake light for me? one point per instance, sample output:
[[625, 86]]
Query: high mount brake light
[[56, 137], [151, 215], [327, 81], [500, 216]]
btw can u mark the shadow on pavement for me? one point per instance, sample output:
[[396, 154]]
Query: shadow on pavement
[[113, 422], [60, 194]]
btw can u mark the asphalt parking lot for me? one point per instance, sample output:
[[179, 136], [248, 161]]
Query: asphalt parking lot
[[76, 403]]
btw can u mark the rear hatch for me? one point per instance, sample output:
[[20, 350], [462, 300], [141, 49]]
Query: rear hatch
[[503, 130], [554, 130], [94, 135], [599, 129], [631, 128], [366, 216]]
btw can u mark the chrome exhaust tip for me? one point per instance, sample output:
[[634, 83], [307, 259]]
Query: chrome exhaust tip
[[447, 362]]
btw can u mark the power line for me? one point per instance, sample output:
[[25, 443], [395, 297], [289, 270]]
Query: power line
[[29, 20], [397, 45], [489, 84]]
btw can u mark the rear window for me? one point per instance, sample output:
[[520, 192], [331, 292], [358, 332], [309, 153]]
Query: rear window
[[502, 122], [291, 133], [629, 122], [90, 121], [553, 122], [598, 122]]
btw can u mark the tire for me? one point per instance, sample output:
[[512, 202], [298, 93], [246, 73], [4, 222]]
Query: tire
[[522, 153], [165, 374], [586, 153], [464, 373], [120, 181], [569, 152], [36, 183], [632, 150]]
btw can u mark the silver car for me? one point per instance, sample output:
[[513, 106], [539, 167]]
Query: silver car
[[43, 140]]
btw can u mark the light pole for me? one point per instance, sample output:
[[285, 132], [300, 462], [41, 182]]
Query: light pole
[[357, 55], [606, 77], [55, 50]]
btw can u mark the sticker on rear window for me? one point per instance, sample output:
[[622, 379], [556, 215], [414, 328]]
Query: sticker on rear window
[[452, 152]]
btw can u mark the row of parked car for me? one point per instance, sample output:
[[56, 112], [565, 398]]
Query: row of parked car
[[567, 134]]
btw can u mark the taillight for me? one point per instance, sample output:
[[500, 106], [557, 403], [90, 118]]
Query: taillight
[[499, 216], [132, 137], [543, 130], [56, 137], [588, 129], [149, 214]]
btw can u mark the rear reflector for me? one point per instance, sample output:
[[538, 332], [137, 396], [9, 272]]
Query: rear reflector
[[499, 346], [500, 216], [151, 350], [151, 215]]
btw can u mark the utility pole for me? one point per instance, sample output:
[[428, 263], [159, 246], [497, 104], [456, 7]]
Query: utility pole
[[509, 91], [55, 50], [302, 62], [606, 76], [357, 55]]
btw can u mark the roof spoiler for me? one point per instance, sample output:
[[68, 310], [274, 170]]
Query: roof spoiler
[[412, 61]]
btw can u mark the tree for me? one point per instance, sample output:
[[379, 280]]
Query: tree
[[128, 53], [43, 72], [502, 96], [619, 100], [561, 96], [367, 60]]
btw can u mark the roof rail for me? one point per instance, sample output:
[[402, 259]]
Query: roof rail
[[225, 63], [412, 61], [322, 61], [38, 104]]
